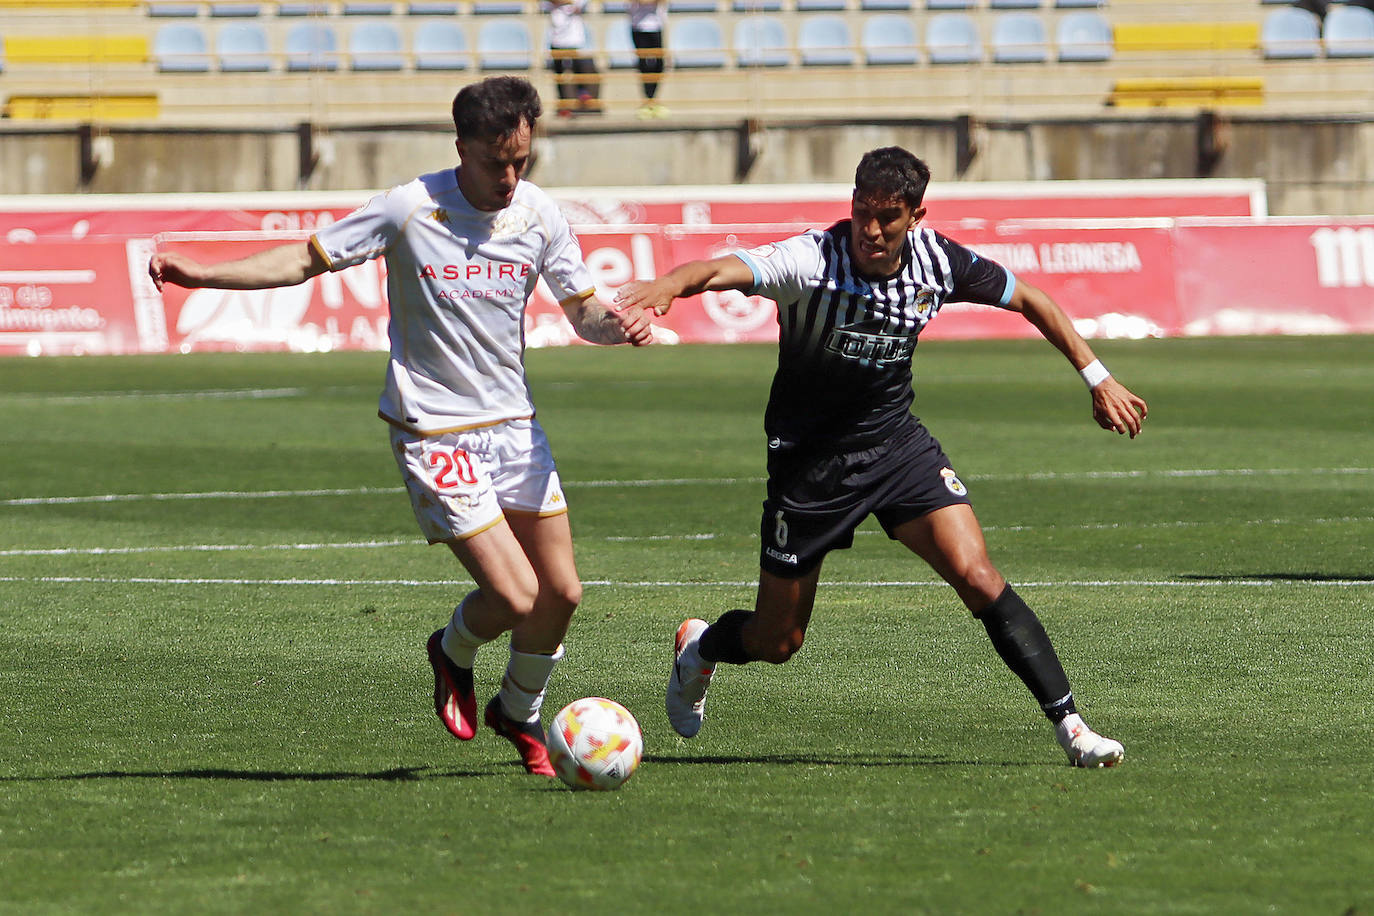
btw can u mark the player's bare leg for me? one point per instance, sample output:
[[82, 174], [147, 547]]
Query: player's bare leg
[[951, 541]]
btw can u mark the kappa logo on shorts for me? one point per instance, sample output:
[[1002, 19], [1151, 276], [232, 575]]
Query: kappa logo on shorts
[[953, 483]]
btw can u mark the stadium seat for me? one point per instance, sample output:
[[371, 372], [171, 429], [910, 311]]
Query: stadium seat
[[1290, 33], [181, 47], [693, 6], [819, 6], [311, 46], [889, 40], [1083, 36], [761, 41], [441, 45], [375, 46], [1078, 4], [1348, 31], [1019, 38], [1014, 4], [235, 10], [825, 41], [952, 38], [756, 6], [620, 47], [367, 8], [504, 44], [498, 8], [432, 8], [241, 47], [695, 43], [302, 9], [950, 4], [160, 10], [885, 5]]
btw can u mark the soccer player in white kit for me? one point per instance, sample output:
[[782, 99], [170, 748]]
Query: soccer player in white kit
[[465, 248]]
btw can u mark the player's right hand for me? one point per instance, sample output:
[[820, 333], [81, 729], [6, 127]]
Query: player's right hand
[[644, 294]]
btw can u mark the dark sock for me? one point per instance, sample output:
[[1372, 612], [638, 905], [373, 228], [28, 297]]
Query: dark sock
[[722, 641], [1019, 638]]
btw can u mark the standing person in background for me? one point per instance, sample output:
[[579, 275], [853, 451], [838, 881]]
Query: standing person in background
[[464, 249], [574, 70], [843, 444], [646, 31]]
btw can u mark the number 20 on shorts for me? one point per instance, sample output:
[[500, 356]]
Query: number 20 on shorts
[[452, 468]]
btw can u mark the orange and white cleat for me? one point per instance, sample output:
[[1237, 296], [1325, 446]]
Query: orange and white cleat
[[1085, 747], [687, 683]]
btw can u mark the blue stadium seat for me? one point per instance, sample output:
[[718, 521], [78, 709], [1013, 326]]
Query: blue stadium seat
[[950, 4], [1079, 4], [235, 10], [1290, 33], [620, 47], [504, 44], [1019, 38], [241, 47], [825, 41], [498, 8], [885, 5], [303, 9], [952, 38], [1084, 36], [1014, 4], [756, 6], [819, 6], [761, 41], [693, 6], [375, 46], [158, 9], [311, 46], [368, 8], [1348, 31], [181, 47], [889, 40], [695, 43], [432, 8], [441, 45]]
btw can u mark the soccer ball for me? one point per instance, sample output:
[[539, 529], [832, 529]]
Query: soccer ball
[[595, 744]]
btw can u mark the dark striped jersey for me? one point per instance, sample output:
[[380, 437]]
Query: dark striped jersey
[[845, 342]]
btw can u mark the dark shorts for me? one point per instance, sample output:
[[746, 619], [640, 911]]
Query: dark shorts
[[816, 500]]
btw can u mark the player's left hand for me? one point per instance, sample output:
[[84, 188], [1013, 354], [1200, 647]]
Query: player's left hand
[[1117, 409], [639, 329]]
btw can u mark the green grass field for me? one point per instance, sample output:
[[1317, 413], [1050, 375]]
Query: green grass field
[[214, 696]]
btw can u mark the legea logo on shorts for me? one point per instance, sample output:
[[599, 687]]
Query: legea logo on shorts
[[788, 558]]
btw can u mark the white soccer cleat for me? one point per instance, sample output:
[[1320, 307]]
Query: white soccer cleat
[[1085, 747], [687, 683]]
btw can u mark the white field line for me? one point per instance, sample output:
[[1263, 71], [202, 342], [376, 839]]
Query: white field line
[[460, 583], [682, 481], [622, 539], [225, 394]]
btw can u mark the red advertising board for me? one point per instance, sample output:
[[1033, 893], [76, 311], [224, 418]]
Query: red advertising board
[[66, 288]]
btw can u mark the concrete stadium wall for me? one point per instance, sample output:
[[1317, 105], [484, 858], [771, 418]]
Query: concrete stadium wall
[[1311, 166]]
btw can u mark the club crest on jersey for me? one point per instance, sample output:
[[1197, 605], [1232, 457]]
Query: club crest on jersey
[[953, 483], [865, 341]]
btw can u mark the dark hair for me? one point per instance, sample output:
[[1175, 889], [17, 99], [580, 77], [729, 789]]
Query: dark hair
[[494, 108], [892, 172]]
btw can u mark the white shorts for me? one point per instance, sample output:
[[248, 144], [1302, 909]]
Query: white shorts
[[463, 483]]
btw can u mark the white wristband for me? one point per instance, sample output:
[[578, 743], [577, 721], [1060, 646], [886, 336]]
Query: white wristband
[[1094, 374]]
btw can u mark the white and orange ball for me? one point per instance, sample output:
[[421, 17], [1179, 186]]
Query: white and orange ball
[[595, 744]]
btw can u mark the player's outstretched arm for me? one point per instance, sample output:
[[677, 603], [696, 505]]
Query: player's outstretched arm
[[283, 265], [1115, 407], [595, 323], [688, 279]]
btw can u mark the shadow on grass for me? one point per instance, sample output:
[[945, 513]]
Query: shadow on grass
[[1280, 577], [396, 774]]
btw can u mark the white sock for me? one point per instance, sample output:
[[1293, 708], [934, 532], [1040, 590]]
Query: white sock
[[1068, 727], [527, 677], [458, 642]]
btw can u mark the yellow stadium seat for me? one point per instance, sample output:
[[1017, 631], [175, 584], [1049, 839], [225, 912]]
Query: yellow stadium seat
[[1186, 36], [69, 49], [1187, 91], [81, 107]]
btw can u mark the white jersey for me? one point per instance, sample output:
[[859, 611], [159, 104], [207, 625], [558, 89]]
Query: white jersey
[[458, 279]]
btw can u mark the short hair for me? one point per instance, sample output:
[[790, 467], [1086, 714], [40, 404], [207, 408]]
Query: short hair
[[495, 108], [892, 171]]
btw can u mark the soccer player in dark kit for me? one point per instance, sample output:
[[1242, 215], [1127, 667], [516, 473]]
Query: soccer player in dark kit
[[842, 442]]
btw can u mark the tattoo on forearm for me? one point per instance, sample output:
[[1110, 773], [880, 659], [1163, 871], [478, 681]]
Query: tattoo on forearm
[[599, 325]]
